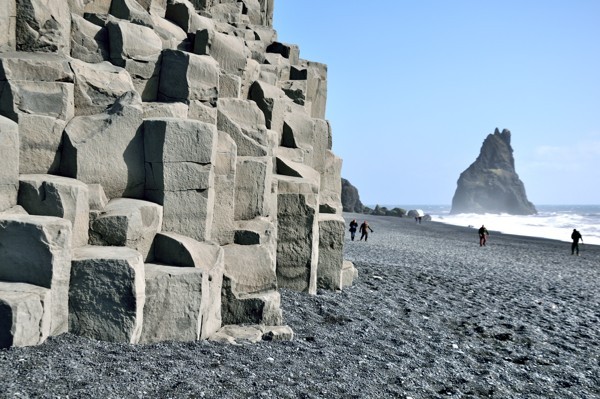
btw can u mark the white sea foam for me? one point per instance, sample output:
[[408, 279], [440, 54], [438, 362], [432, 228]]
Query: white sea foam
[[555, 222]]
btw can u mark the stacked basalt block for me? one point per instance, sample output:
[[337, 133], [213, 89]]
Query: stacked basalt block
[[165, 168]]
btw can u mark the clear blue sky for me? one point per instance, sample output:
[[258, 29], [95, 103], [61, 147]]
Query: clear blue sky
[[415, 86]]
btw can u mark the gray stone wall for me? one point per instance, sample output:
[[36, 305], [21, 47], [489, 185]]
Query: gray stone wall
[[160, 158]]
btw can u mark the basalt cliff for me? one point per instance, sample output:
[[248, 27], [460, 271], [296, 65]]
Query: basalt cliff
[[350, 198], [491, 184], [165, 168]]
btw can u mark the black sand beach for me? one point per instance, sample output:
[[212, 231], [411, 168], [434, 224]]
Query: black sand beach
[[432, 315]]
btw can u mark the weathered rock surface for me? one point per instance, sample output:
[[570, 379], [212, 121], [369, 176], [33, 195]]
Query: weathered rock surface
[[186, 145], [25, 314], [36, 91], [186, 77], [9, 163], [127, 222], [108, 148], [8, 22], [66, 198], [43, 26], [331, 242], [179, 173], [107, 293], [98, 86], [89, 42], [297, 233], [181, 251], [37, 250], [173, 303], [491, 184]]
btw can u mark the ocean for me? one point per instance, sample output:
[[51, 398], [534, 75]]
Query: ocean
[[552, 221]]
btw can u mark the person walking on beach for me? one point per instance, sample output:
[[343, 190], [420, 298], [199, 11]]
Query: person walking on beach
[[353, 227], [364, 229], [483, 233], [575, 236]]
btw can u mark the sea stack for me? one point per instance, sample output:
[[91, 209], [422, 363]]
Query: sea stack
[[491, 184]]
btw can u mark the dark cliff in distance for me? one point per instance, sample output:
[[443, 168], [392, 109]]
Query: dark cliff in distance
[[350, 198], [491, 184]]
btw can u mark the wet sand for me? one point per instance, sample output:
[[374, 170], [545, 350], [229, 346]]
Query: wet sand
[[431, 315]]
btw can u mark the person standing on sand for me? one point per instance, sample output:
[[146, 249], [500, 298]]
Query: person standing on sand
[[575, 236], [353, 227], [483, 233], [364, 229]]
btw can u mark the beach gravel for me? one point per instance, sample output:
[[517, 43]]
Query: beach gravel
[[431, 315]]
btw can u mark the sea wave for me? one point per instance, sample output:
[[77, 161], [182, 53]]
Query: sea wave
[[555, 222]]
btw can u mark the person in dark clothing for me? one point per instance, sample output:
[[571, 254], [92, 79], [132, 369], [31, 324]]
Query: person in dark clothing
[[483, 233], [364, 229], [353, 227], [575, 236]]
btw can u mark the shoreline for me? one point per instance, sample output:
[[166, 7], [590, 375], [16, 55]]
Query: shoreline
[[359, 216]]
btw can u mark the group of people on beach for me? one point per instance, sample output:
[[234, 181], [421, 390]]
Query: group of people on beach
[[483, 235], [363, 229], [575, 236]]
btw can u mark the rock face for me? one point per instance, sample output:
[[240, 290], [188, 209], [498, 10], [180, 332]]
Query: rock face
[[165, 168], [491, 184], [350, 198]]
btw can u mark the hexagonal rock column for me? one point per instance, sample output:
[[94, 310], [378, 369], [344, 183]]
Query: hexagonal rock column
[[137, 49], [331, 185], [89, 42], [179, 173], [183, 13], [129, 223], [9, 163], [315, 75], [183, 295], [272, 101], [37, 250], [225, 171], [331, 246], [108, 148], [25, 314], [228, 50], [8, 22], [173, 301], [36, 91], [298, 233], [63, 197], [250, 280], [253, 188], [107, 294], [186, 77], [245, 123]]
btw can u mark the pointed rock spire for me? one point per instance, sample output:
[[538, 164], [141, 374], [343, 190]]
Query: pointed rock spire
[[491, 184]]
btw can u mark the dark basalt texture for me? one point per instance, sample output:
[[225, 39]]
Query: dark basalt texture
[[350, 198]]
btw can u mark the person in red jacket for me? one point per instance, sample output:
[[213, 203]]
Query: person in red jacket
[[364, 229], [483, 233]]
